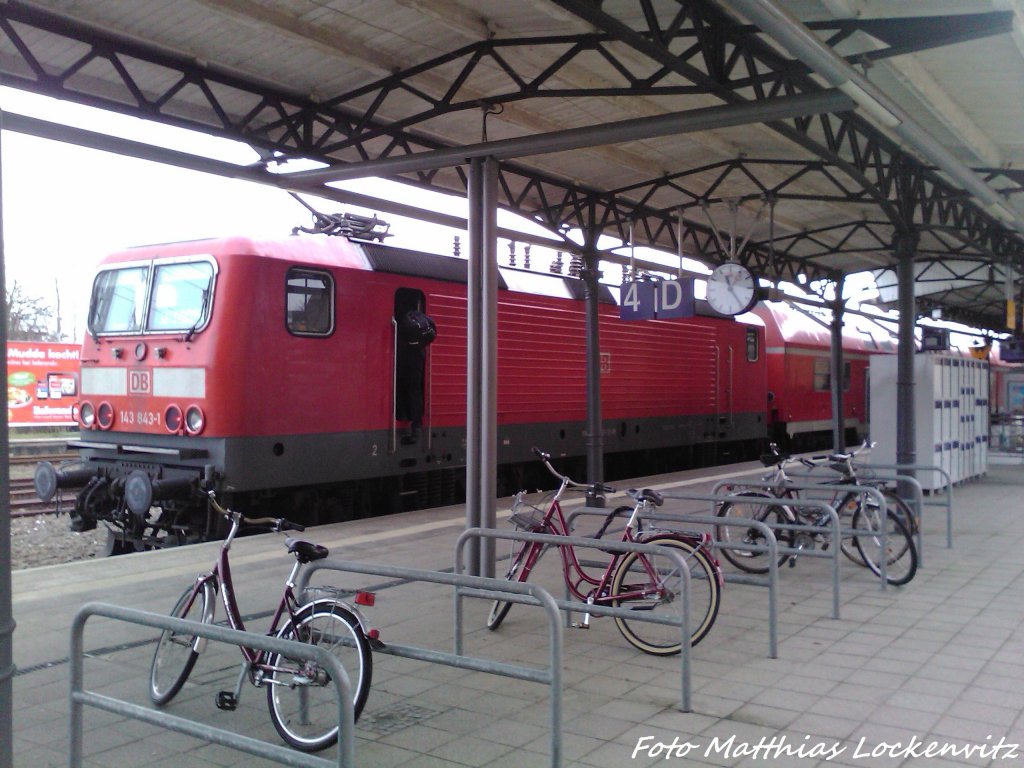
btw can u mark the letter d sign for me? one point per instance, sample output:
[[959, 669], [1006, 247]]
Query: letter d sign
[[675, 298]]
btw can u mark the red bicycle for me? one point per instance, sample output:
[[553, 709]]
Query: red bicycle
[[640, 582], [302, 702]]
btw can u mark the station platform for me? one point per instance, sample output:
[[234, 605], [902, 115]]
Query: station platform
[[938, 662]]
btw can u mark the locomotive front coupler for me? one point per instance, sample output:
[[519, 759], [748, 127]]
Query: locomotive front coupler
[[48, 478], [141, 491]]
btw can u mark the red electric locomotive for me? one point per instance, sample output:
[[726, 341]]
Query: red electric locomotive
[[275, 372]]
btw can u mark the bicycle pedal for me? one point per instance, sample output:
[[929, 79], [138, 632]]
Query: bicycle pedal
[[792, 562], [227, 701], [580, 625]]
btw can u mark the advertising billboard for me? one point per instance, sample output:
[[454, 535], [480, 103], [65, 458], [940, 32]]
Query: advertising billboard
[[43, 382]]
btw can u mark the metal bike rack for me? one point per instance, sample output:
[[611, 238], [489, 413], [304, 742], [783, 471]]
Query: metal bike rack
[[598, 610], [291, 648], [480, 586], [861, 489], [770, 547], [948, 488], [713, 519], [917, 502]]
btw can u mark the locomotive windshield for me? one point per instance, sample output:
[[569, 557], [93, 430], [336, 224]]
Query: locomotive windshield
[[152, 298]]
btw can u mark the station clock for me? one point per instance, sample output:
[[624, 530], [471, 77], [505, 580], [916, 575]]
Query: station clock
[[732, 289]]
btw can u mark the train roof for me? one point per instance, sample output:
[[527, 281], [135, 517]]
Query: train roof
[[319, 251], [786, 324]]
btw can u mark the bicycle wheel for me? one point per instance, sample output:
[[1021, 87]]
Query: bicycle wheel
[[301, 697], [750, 506], [522, 563], [902, 510], [901, 554], [847, 508], [176, 653], [635, 574]]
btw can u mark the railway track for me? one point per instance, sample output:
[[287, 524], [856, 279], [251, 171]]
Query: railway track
[[24, 502], [26, 454]]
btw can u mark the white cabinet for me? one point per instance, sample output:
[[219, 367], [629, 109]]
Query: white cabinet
[[950, 414]]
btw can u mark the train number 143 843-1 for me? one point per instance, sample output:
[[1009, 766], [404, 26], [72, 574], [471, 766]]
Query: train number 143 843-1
[[142, 418]]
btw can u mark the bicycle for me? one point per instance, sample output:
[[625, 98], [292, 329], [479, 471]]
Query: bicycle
[[861, 543], [634, 580], [302, 702]]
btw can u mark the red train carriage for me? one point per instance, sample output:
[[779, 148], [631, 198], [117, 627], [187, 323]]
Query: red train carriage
[[799, 394], [272, 371]]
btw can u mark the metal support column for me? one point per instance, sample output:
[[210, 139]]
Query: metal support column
[[595, 427], [6, 609], [481, 360], [906, 448], [836, 370]]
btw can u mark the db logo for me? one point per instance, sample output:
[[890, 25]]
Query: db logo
[[140, 382]]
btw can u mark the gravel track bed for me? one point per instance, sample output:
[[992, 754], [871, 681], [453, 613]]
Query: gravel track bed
[[46, 540]]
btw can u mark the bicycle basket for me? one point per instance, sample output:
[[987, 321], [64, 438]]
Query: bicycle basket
[[525, 516]]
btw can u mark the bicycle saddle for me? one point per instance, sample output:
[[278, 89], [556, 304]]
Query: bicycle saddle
[[306, 551], [771, 459], [648, 494]]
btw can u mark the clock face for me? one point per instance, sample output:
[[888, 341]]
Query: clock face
[[731, 289]]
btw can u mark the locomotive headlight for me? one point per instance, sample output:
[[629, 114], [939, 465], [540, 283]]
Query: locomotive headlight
[[105, 415], [195, 420], [173, 419], [87, 414]]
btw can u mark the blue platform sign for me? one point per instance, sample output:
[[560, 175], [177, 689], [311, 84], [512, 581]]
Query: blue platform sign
[[675, 298], [665, 299], [638, 300]]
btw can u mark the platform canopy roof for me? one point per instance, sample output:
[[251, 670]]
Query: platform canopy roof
[[806, 138]]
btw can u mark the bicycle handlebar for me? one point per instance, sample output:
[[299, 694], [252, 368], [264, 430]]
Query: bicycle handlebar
[[276, 524], [593, 488]]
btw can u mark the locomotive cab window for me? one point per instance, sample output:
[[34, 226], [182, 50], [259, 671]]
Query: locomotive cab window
[[118, 300], [156, 297], [181, 296], [310, 302]]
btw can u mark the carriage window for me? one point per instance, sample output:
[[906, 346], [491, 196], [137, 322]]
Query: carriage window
[[181, 296], [823, 376], [119, 300], [310, 302]]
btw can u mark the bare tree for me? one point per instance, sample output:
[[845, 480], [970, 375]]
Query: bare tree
[[28, 317]]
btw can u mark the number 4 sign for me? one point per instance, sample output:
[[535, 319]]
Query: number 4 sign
[[644, 300]]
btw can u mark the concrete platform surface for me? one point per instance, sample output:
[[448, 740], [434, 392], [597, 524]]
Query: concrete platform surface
[[927, 674]]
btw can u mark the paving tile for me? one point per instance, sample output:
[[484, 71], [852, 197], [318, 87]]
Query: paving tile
[[470, 750]]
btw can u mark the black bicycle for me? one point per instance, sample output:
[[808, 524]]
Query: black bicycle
[[777, 504]]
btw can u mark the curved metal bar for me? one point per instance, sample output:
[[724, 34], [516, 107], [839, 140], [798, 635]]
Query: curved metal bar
[[600, 610], [948, 488], [475, 586], [771, 547], [865, 490], [291, 648]]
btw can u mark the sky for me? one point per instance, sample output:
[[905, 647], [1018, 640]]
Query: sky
[[66, 207]]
